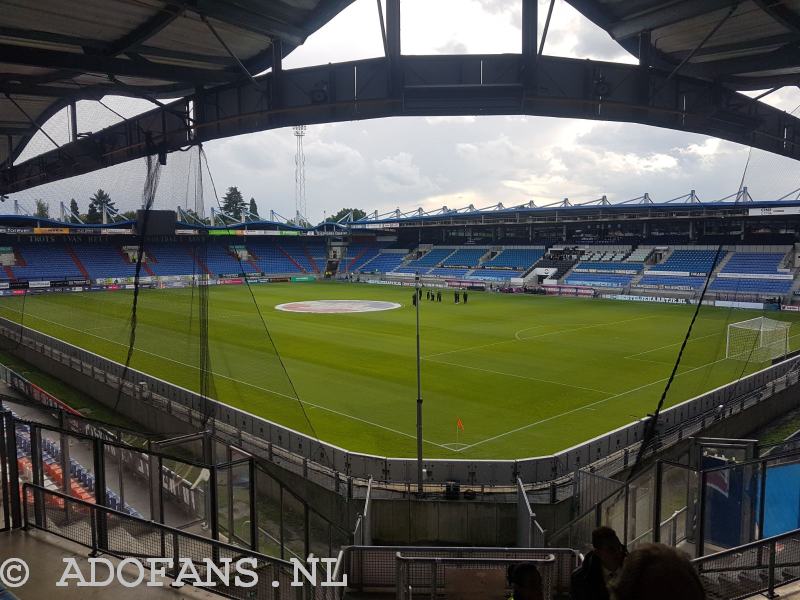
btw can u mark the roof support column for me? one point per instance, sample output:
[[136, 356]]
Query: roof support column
[[276, 89], [73, 122], [530, 23], [645, 48], [393, 47]]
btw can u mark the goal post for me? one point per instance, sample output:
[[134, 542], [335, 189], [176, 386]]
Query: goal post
[[757, 340]]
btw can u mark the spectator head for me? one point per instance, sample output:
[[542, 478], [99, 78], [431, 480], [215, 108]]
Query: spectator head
[[657, 572], [526, 581], [608, 548]]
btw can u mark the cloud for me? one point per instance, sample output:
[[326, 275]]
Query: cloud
[[398, 173]]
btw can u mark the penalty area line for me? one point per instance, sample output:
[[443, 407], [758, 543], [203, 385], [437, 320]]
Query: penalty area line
[[541, 335], [585, 406], [245, 383]]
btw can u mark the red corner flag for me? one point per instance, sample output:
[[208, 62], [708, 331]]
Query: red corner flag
[[459, 424]]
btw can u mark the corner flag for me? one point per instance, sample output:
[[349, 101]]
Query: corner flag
[[459, 424]]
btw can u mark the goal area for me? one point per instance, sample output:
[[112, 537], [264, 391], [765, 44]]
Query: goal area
[[758, 340]]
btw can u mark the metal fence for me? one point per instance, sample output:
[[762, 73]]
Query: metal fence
[[756, 568], [457, 577], [375, 568], [230, 497], [529, 533], [118, 534], [338, 469]]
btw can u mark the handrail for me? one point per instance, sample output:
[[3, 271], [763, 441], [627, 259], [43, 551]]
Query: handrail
[[166, 528], [774, 560], [748, 546]]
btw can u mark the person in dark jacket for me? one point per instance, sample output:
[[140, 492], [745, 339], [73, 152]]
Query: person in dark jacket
[[600, 566], [525, 581], [657, 572]]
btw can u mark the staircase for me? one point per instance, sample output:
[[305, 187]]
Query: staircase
[[355, 258], [310, 258], [252, 260], [291, 259], [77, 261], [200, 263]]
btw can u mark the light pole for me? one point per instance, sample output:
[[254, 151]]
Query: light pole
[[419, 390]]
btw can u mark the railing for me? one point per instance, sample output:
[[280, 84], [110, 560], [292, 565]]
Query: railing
[[529, 533], [238, 500], [436, 575], [375, 568], [362, 533], [756, 568], [118, 534]]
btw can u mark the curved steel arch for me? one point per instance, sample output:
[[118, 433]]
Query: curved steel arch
[[506, 84]]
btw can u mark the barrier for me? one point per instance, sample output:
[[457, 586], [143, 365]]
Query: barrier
[[326, 464], [117, 534], [756, 568], [375, 567]]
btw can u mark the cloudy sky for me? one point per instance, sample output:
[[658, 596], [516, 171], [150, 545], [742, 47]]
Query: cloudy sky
[[430, 162]]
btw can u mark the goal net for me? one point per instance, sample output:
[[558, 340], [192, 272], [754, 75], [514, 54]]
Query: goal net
[[758, 340]]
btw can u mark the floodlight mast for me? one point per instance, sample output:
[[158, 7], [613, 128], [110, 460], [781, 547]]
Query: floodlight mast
[[419, 390]]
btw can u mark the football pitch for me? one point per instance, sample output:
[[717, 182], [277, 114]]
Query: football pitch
[[525, 375]]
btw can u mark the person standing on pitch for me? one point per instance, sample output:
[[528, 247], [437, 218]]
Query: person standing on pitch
[[455, 295], [439, 296], [465, 296]]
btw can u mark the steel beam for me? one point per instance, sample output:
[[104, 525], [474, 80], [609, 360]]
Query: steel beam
[[82, 63], [428, 86], [665, 14]]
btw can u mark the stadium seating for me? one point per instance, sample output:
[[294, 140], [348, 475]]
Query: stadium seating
[[383, 262], [272, 258], [751, 286], [748, 263], [689, 261], [599, 279], [104, 260], [467, 257], [431, 259], [357, 255], [45, 262], [171, 259], [639, 255], [516, 258]]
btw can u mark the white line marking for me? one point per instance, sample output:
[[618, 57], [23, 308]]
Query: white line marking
[[675, 344], [541, 335], [569, 385], [263, 389], [584, 407]]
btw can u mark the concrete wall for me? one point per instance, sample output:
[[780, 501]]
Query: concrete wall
[[443, 522]]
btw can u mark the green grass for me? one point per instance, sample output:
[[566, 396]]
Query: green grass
[[527, 375]]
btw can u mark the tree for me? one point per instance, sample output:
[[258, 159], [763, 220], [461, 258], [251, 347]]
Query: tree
[[233, 203], [130, 215], [42, 209], [73, 207], [253, 207], [100, 200], [357, 214]]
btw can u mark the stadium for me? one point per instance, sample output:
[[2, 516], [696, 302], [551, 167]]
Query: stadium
[[448, 402]]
